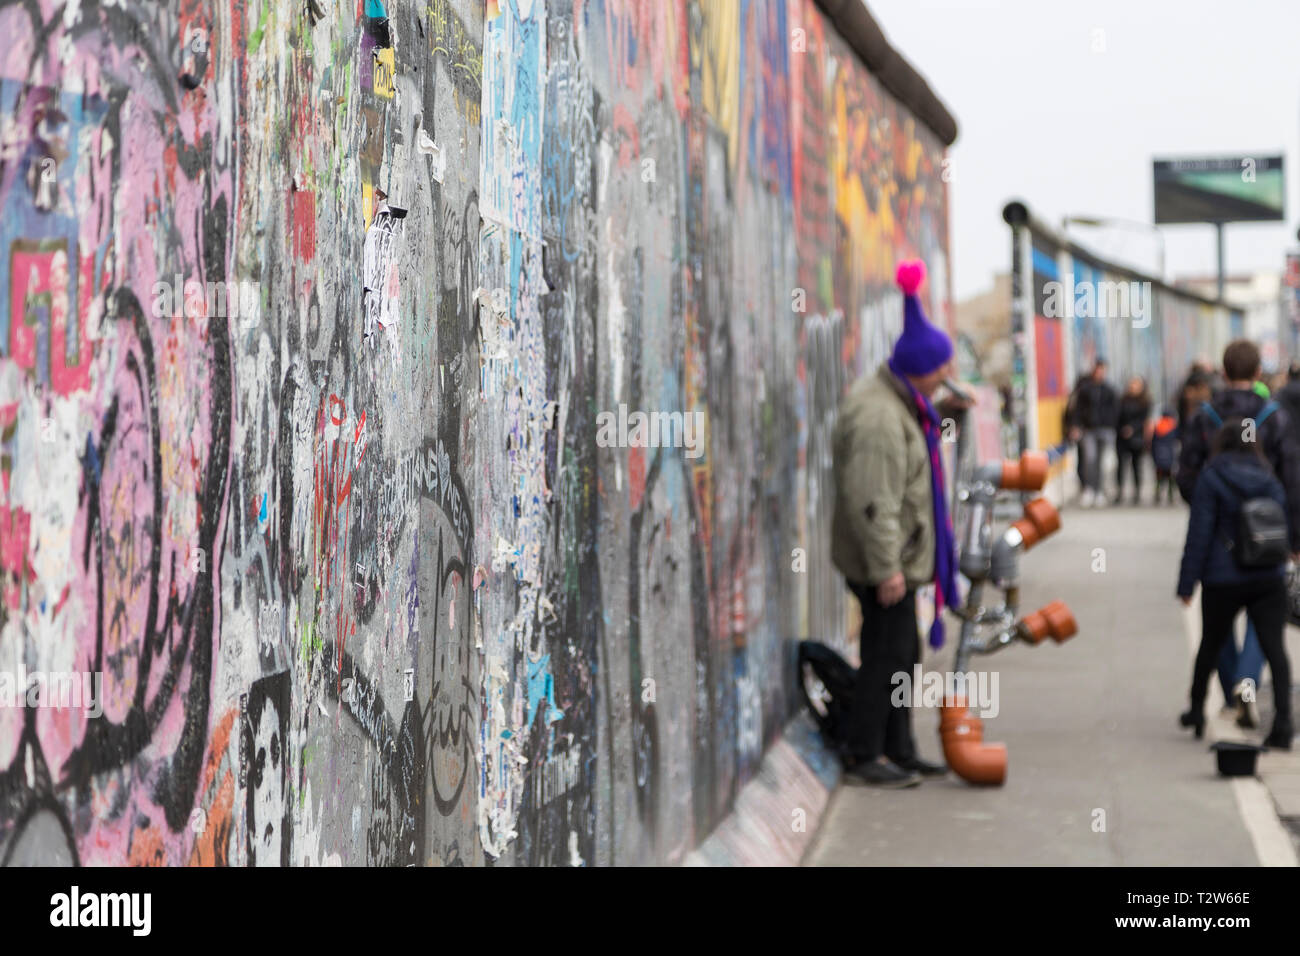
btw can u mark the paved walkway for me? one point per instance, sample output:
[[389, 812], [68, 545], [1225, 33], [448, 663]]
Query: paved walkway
[[1090, 725]]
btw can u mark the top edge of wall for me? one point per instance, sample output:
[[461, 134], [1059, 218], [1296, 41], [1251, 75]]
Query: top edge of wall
[[1017, 213], [856, 24]]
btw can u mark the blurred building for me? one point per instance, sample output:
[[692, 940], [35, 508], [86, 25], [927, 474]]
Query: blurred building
[[984, 325]]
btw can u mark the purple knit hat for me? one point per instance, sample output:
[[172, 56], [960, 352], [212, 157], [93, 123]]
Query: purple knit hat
[[922, 348]]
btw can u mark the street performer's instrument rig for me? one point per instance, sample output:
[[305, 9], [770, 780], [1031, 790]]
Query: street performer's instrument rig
[[992, 564], [828, 683]]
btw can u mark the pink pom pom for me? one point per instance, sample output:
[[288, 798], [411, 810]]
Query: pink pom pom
[[911, 273]]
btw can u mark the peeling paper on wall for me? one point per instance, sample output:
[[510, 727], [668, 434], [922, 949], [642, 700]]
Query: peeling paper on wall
[[502, 787], [429, 148], [504, 554], [381, 285], [494, 303], [493, 324]]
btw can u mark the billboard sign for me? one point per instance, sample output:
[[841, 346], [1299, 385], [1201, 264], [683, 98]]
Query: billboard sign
[[1224, 189]]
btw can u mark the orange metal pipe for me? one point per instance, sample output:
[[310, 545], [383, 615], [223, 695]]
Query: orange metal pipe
[[1052, 620], [1041, 519], [1029, 473], [962, 735]]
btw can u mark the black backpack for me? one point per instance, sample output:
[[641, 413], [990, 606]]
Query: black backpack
[[1262, 540], [826, 683]]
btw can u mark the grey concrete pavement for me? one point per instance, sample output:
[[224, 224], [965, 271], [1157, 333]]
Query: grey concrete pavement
[[1090, 725]]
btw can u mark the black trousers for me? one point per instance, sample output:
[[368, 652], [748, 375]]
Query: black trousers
[[1127, 456], [1266, 603], [1164, 479], [889, 646]]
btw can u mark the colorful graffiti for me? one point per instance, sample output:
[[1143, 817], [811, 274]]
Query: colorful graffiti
[[1085, 308], [308, 314]]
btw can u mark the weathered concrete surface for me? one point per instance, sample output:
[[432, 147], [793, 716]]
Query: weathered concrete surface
[[366, 580], [1090, 724]]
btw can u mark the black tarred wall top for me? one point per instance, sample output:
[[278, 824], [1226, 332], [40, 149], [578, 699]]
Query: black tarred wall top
[[864, 35]]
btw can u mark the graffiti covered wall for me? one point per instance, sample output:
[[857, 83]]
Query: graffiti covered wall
[[1085, 308], [315, 320]]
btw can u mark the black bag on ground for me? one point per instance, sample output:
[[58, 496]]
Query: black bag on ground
[[826, 682]]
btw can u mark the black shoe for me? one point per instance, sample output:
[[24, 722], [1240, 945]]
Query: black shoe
[[923, 767], [1279, 738], [884, 774], [1195, 721]]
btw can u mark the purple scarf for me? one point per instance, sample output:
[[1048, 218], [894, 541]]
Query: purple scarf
[[945, 552]]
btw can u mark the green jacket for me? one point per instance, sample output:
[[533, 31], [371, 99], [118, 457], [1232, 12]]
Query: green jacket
[[884, 514]]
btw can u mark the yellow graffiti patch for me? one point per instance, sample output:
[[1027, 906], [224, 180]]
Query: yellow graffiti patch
[[385, 68], [717, 49]]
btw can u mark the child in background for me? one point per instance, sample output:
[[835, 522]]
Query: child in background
[[1164, 439]]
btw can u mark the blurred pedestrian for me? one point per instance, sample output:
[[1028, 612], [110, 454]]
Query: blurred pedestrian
[[1093, 411], [1213, 374], [1288, 396], [1236, 473], [1070, 430], [1270, 427], [1131, 436], [891, 534], [1196, 390], [1164, 451], [1239, 399]]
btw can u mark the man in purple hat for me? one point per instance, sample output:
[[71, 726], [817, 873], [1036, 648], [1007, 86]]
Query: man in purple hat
[[892, 534]]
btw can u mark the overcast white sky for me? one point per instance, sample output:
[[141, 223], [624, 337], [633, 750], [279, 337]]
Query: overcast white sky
[[1043, 118]]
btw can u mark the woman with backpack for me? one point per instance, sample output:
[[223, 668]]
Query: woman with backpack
[[1237, 550]]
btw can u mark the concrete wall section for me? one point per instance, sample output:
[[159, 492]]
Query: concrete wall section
[[325, 333]]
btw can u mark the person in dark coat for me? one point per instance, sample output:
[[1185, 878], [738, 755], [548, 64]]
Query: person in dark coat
[[1093, 411], [1237, 472], [1196, 390], [1239, 671], [1131, 436], [1238, 399]]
